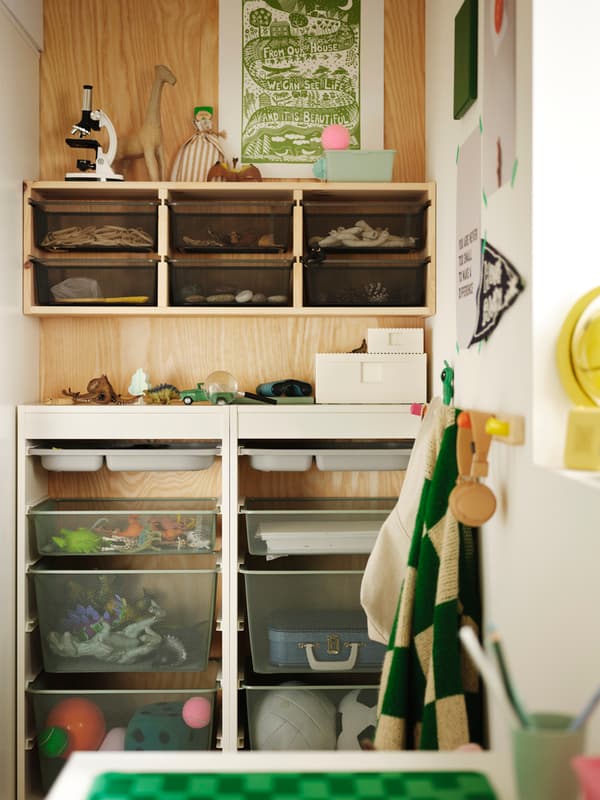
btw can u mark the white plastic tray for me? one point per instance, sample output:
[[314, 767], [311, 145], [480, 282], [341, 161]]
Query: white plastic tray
[[148, 459], [56, 459], [159, 460], [371, 459]]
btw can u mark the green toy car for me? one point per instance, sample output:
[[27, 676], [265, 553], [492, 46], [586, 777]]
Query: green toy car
[[199, 395]]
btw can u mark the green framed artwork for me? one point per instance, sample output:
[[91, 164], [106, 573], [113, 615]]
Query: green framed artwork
[[465, 57], [288, 69]]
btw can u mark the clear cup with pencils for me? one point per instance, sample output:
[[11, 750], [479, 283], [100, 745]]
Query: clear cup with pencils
[[544, 743]]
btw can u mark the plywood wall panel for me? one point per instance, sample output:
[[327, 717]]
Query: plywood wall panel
[[184, 350], [114, 45], [404, 87]]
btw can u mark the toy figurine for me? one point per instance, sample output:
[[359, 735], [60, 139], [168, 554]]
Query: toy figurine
[[200, 151], [82, 540], [147, 141], [222, 172]]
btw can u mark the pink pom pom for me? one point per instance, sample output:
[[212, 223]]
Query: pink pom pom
[[335, 137], [196, 712]]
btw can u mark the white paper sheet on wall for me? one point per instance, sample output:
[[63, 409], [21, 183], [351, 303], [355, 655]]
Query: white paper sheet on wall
[[468, 235]]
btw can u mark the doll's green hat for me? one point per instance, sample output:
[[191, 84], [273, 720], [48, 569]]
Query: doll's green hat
[[203, 108]]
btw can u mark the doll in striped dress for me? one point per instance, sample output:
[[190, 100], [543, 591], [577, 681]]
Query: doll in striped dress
[[198, 154]]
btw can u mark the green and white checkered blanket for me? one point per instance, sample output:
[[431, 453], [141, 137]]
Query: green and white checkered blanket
[[430, 695]]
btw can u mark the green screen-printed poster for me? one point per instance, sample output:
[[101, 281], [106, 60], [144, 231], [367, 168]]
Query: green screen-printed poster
[[300, 73]]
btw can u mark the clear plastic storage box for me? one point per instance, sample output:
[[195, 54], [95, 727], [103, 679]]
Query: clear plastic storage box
[[95, 225], [68, 527], [292, 526], [393, 226], [123, 620], [346, 282], [300, 716], [231, 226], [79, 713], [95, 282], [230, 283], [303, 620]]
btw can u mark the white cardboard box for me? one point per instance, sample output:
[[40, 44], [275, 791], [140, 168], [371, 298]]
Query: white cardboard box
[[371, 378], [395, 340]]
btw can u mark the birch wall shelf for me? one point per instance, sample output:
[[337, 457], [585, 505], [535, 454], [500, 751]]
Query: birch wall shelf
[[216, 249]]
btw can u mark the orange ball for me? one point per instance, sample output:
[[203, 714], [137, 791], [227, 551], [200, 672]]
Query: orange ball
[[83, 721]]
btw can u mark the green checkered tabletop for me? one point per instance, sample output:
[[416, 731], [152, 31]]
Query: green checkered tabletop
[[293, 786]]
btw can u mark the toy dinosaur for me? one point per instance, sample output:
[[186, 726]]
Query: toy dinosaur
[[163, 393], [114, 631], [81, 540], [99, 390]]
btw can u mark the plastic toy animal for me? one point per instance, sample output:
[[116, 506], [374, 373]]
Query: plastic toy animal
[[99, 390], [102, 634], [81, 540], [221, 172], [163, 393]]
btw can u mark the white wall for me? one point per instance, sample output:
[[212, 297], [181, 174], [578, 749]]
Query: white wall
[[541, 550], [19, 351]]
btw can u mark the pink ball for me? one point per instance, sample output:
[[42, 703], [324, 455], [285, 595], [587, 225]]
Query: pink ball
[[335, 137], [196, 712]]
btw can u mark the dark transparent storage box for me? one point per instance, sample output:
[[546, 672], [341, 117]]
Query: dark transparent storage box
[[366, 227], [95, 225], [95, 282], [309, 716], [249, 226], [230, 283], [124, 620], [91, 527], [345, 282], [99, 716]]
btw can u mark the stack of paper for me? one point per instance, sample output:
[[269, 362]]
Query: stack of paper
[[285, 537]]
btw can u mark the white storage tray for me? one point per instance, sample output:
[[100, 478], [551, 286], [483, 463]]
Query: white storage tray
[[338, 458], [159, 460], [277, 460], [145, 459], [56, 459], [362, 459]]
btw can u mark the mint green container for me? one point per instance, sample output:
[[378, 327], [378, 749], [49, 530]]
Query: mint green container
[[359, 165], [542, 756]]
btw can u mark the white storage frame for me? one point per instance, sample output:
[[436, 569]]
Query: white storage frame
[[226, 424]]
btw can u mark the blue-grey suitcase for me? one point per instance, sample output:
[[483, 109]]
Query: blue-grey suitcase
[[323, 641]]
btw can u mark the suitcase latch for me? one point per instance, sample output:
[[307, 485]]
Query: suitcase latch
[[333, 644]]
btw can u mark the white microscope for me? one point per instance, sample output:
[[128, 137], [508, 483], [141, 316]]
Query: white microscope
[[100, 169]]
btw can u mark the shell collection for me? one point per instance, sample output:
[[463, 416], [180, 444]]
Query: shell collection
[[361, 234]]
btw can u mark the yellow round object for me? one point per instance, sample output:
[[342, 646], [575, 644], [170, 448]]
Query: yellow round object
[[578, 351]]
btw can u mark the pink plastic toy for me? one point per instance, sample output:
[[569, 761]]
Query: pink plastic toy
[[335, 137], [588, 772], [196, 712]]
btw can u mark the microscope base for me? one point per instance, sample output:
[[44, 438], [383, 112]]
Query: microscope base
[[88, 176]]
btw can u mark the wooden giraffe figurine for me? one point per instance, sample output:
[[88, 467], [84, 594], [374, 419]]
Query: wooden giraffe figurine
[[147, 141]]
